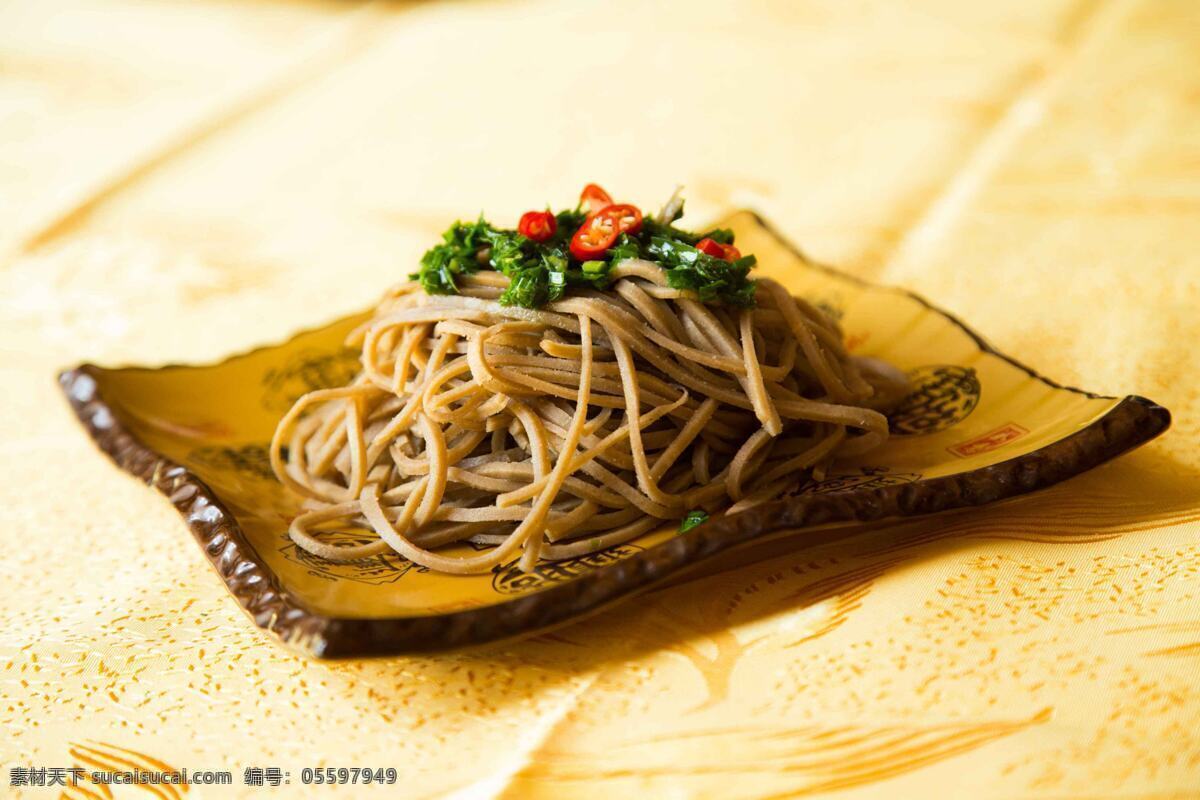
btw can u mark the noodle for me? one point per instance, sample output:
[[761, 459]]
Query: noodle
[[551, 433]]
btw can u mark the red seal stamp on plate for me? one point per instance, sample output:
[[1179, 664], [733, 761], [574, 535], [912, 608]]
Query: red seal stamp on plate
[[989, 441]]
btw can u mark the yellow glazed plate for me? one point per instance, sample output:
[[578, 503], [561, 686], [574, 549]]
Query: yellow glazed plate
[[976, 428]]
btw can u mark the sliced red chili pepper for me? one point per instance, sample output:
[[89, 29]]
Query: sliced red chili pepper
[[626, 218], [594, 236], [594, 199], [537, 225], [717, 250]]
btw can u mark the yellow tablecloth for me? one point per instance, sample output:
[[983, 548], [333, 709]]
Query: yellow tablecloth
[[183, 180]]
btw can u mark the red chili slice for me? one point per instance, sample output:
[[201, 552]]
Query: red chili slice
[[626, 218], [594, 199], [537, 225], [717, 250], [594, 237]]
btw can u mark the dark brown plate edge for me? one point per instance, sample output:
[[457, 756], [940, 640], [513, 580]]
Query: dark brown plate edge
[[1132, 422]]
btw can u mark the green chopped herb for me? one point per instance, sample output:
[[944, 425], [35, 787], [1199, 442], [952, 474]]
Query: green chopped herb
[[694, 517], [625, 248], [714, 279], [542, 272], [720, 235]]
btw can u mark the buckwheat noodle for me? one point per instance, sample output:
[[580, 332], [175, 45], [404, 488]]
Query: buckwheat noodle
[[553, 433]]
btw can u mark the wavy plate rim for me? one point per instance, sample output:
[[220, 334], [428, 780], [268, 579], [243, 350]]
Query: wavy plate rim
[[1133, 421]]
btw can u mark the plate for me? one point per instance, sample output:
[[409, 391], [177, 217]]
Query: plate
[[977, 427]]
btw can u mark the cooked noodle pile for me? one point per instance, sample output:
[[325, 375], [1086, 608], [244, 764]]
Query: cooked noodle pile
[[557, 432]]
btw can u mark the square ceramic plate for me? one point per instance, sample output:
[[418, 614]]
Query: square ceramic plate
[[978, 427]]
